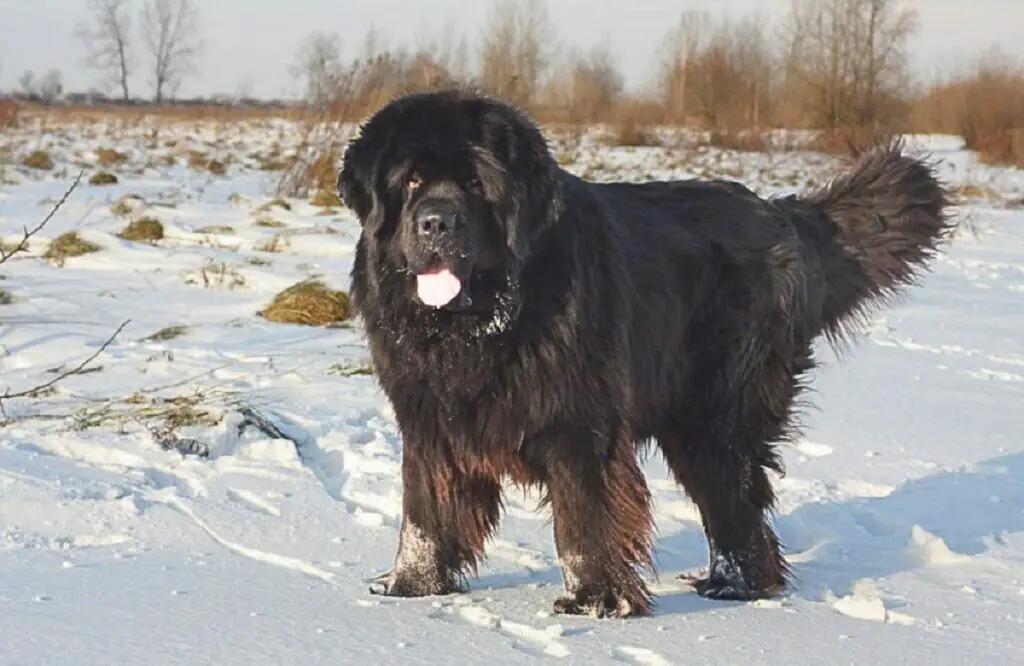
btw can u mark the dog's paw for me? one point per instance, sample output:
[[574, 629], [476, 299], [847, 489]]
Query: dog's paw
[[602, 604], [730, 584], [398, 583]]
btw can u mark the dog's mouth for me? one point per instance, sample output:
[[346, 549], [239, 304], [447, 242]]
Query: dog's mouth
[[438, 286]]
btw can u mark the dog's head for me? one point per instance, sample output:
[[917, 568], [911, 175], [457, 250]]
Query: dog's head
[[452, 188]]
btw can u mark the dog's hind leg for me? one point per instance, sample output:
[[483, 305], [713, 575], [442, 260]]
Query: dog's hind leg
[[602, 520], [720, 449]]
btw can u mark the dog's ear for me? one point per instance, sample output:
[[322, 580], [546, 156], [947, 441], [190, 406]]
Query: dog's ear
[[536, 199], [357, 180]]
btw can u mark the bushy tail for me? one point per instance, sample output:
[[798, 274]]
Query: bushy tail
[[890, 214]]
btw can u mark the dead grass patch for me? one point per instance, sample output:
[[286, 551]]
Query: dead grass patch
[[268, 223], [216, 229], [325, 199], [274, 203], [167, 333], [276, 244], [309, 303], [276, 164], [163, 416], [199, 161], [67, 245], [127, 205], [361, 368], [108, 157], [975, 191], [145, 229], [39, 160], [6, 297], [217, 275], [103, 178]]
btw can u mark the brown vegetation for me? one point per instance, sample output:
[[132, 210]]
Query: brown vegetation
[[310, 303], [8, 113], [39, 160], [69, 244], [145, 229], [839, 68], [103, 178]]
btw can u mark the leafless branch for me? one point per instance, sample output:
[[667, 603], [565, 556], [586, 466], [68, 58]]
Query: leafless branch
[[79, 369], [7, 253]]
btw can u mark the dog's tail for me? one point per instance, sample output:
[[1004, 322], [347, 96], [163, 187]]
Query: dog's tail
[[889, 215]]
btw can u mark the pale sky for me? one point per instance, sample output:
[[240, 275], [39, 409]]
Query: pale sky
[[254, 41]]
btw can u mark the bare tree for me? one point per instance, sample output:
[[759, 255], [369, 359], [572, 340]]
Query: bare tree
[[847, 58], [171, 34], [718, 72], [51, 86], [587, 85], [681, 45], [27, 82], [319, 66], [107, 42], [516, 50]]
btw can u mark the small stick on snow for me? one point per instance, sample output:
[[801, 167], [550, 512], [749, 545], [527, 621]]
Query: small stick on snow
[[79, 369], [29, 233]]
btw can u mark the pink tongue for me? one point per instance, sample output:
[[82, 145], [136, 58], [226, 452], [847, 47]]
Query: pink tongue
[[437, 288]]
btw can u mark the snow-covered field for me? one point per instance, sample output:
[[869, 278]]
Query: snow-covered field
[[903, 507]]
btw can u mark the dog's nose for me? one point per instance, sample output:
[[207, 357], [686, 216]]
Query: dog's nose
[[435, 219]]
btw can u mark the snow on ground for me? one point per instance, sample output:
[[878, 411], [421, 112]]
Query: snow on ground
[[903, 507]]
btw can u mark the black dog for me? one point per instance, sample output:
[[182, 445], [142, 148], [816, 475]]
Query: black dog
[[528, 324]]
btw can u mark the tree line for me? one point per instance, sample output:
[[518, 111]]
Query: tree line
[[822, 64], [164, 37]]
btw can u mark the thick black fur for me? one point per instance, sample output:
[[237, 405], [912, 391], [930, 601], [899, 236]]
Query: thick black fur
[[594, 318]]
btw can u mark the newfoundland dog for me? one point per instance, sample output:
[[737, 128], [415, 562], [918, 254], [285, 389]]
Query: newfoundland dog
[[528, 324]]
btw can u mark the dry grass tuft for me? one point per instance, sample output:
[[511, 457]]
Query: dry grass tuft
[[973, 191], [145, 229], [168, 333], [6, 297], [163, 415], [322, 173], [38, 159], [325, 199], [69, 244], [310, 303], [274, 203], [276, 244], [217, 276], [108, 157], [199, 161], [216, 229], [268, 223], [276, 164], [361, 368], [630, 132], [127, 205], [103, 178]]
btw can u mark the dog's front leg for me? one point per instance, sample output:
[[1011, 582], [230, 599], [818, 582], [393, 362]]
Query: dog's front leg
[[448, 513]]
